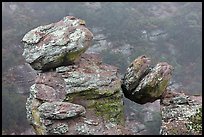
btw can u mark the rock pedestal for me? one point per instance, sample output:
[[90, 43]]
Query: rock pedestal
[[75, 93]]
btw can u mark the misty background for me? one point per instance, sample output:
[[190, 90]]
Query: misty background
[[164, 31]]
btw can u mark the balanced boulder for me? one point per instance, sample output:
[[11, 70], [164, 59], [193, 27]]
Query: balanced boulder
[[143, 84], [56, 44]]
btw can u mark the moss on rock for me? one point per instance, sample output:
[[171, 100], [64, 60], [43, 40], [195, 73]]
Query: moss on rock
[[196, 121]]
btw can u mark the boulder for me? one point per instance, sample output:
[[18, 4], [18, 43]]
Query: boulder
[[56, 44], [143, 84], [135, 72]]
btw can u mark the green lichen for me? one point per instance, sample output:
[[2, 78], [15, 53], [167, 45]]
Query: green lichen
[[155, 91], [37, 124], [106, 103], [161, 87], [59, 129], [195, 124], [72, 56], [109, 108], [90, 94]]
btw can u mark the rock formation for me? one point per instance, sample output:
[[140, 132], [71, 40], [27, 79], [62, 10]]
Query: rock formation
[[84, 97], [74, 93], [143, 84]]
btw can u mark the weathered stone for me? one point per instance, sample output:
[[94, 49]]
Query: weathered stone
[[33, 114], [135, 72], [49, 86], [142, 84], [95, 86], [183, 115], [88, 83], [56, 44], [83, 130], [60, 110], [58, 129], [179, 100]]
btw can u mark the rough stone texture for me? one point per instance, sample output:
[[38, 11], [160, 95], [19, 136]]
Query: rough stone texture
[[56, 44], [49, 86], [60, 110], [135, 72], [82, 98], [181, 114], [142, 84], [96, 86]]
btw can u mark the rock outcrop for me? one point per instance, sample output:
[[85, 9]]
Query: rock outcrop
[[181, 114], [56, 44], [143, 84], [82, 97], [74, 93]]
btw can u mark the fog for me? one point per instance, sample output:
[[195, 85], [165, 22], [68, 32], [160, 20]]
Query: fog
[[164, 31]]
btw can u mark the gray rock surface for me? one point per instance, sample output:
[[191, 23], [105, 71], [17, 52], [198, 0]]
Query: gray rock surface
[[56, 44], [60, 110], [181, 114]]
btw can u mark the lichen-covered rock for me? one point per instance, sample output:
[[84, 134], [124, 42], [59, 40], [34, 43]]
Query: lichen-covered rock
[[56, 44], [60, 110], [95, 86], [142, 84], [182, 115], [49, 86], [83, 98], [58, 129], [135, 72]]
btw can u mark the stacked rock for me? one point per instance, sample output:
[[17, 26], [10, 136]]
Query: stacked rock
[[73, 93], [56, 44], [142, 83]]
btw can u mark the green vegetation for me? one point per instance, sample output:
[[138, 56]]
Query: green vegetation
[[109, 108], [105, 103]]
